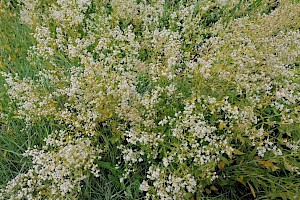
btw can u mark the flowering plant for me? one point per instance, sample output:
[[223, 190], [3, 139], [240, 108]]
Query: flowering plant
[[196, 97]]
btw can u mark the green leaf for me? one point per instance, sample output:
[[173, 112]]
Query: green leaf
[[113, 139], [108, 166], [222, 182], [208, 191], [128, 192], [241, 139], [114, 180], [225, 160], [213, 188], [237, 152], [255, 183], [188, 195], [252, 154], [288, 132], [241, 180], [252, 190], [287, 166]]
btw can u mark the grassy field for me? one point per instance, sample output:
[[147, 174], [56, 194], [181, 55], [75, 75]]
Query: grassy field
[[150, 99]]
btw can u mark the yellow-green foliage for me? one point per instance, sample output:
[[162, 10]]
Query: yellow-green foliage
[[197, 98]]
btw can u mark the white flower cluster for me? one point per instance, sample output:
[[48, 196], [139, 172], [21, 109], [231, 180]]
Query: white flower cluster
[[68, 12], [56, 173], [188, 145], [168, 187], [176, 94], [29, 14]]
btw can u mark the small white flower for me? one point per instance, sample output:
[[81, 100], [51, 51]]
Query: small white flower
[[144, 186]]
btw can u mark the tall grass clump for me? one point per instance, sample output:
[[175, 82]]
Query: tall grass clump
[[162, 99]]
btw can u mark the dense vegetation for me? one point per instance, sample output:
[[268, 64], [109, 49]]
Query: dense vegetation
[[149, 99]]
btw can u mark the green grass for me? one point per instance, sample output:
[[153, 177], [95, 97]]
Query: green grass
[[15, 40]]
